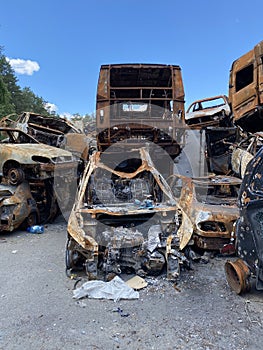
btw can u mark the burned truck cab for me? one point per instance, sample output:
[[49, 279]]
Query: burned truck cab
[[246, 89], [140, 103], [249, 230]]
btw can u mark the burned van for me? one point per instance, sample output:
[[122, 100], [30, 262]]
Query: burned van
[[140, 103], [246, 90]]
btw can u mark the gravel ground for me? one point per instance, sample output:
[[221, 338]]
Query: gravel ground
[[37, 310]]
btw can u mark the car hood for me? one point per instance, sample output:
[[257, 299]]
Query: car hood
[[25, 151]]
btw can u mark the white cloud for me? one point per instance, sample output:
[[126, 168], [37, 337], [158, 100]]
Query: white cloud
[[66, 115], [21, 66], [51, 107]]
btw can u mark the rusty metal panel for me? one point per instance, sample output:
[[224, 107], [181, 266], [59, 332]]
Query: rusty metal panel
[[259, 59], [16, 205], [245, 89], [210, 209]]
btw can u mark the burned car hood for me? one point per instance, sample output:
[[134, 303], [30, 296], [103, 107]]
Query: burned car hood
[[24, 151], [205, 212]]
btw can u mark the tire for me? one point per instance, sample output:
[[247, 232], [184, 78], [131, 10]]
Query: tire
[[15, 176], [31, 220]]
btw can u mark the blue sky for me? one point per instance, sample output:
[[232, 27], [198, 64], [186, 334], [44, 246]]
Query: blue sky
[[67, 41]]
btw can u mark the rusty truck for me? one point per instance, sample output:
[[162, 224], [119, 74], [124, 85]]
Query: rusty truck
[[246, 90], [138, 103]]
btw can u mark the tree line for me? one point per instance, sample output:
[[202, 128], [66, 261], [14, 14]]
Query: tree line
[[13, 98]]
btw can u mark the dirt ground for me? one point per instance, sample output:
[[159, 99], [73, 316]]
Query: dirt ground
[[37, 310]]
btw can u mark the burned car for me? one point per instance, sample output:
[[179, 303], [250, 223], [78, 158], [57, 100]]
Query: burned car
[[125, 219], [211, 206], [249, 228], [211, 111], [17, 207], [23, 157], [53, 131], [48, 130]]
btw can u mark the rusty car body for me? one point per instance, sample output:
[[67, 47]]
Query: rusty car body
[[45, 129], [23, 157], [125, 219], [17, 207], [140, 102], [53, 131], [249, 230], [211, 206], [246, 90], [210, 111]]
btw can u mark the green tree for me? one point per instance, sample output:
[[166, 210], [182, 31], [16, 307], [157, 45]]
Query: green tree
[[8, 75], [32, 102], [15, 99], [6, 106]]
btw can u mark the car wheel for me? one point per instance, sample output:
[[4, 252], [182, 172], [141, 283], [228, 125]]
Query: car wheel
[[15, 176], [74, 260], [31, 220]]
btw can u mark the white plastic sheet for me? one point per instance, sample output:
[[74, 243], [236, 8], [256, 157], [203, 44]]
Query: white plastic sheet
[[115, 289]]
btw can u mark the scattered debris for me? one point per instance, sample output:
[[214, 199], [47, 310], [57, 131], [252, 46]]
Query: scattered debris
[[137, 283], [35, 229], [120, 311], [116, 289]]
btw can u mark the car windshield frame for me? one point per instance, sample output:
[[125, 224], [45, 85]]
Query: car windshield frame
[[16, 136]]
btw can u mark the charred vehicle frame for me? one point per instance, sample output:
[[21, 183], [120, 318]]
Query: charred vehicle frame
[[125, 219], [17, 207], [210, 204], [249, 231], [210, 111], [23, 157], [140, 102]]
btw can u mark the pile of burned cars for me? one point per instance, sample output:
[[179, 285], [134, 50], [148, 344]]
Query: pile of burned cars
[[127, 217], [27, 170]]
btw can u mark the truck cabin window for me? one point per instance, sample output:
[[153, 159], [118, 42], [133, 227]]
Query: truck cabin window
[[244, 77]]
